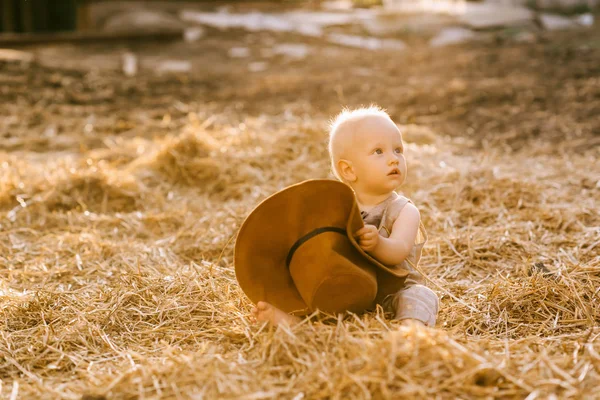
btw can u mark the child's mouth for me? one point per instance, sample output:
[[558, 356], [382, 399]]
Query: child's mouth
[[394, 172]]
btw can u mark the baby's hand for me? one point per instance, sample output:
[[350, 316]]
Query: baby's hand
[[368, 237]]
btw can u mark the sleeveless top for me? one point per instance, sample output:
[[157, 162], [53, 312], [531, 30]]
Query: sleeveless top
[[383, 217]]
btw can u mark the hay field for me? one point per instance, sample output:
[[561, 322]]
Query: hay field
[[120, 199]]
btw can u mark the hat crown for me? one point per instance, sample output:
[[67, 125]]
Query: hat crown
[[296, 250], [331, 275]]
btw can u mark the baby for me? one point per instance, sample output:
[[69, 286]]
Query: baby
[[366, 151]]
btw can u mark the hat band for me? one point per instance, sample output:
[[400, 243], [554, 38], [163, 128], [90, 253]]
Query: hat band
[[309, 236]]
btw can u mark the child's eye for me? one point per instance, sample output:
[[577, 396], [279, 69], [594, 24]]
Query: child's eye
[[398, 150], [378, 151]]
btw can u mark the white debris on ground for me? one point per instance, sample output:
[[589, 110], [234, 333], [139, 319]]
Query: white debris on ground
[[552, 22], [369, 43], [253, 21], [239, 52], [193, 34], [337, 5], [586, 19], [437, 18], [492, 15], [130, 64], [394, 24], [173, 66], [451, 7], [525, 37], [302, 22], [450, 36], [459, 7], [142, 21], [257, 66], [16, 56], [293, 50]]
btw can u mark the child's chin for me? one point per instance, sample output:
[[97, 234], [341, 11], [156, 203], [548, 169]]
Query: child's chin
[[396, 179]]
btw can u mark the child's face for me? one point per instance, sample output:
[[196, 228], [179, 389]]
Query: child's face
[[377, 156]]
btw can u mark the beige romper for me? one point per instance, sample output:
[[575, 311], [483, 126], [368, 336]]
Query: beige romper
[[413, 300]]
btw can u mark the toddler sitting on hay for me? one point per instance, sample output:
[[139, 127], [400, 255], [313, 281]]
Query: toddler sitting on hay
[[340, 246]]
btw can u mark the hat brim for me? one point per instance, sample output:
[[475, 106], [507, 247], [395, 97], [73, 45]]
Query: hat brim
[[271, 229]]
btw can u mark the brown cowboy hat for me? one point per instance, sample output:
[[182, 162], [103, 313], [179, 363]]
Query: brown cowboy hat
[[296, 250]]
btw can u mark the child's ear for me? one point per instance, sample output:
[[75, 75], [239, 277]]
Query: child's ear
[[346, 171]]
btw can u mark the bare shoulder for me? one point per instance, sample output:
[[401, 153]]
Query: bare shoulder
[[407, 221], [409, 211]]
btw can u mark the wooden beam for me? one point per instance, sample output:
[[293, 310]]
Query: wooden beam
[[27, 16], [84, 17], [77, 37], [41, 15], [8, 16]]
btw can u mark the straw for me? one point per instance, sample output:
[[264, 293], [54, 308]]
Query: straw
[[116, 246]]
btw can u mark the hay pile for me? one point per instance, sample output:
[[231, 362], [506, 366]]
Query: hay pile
[[66, 186], [186, 159], [116, 251], [132, 293]]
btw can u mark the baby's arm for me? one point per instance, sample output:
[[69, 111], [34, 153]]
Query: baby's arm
[[397, 247]]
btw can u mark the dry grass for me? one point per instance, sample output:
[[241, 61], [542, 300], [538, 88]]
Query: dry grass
[[116, 276]]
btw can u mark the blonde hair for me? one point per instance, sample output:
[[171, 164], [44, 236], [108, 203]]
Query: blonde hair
[[344, 118]]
